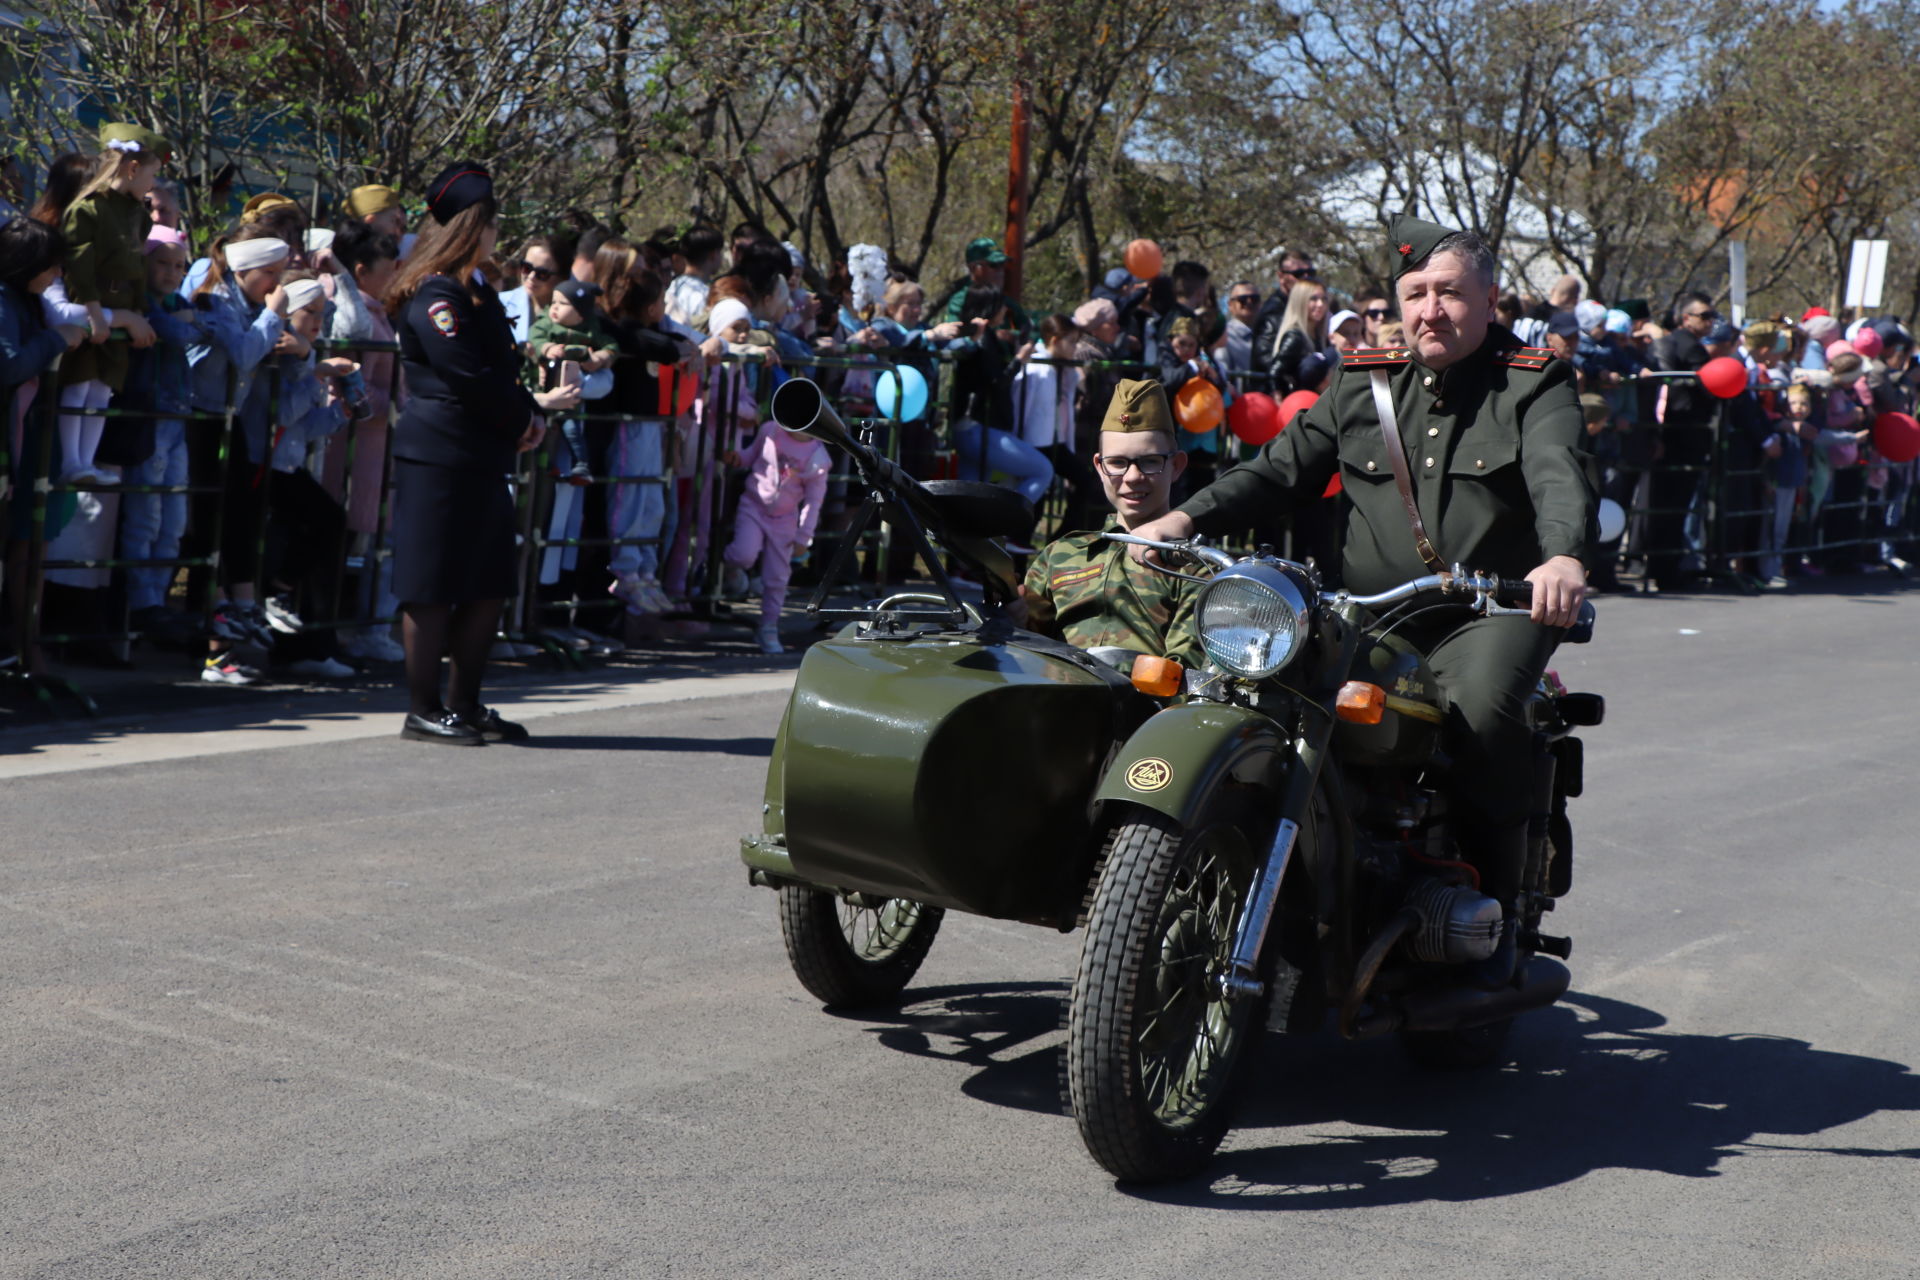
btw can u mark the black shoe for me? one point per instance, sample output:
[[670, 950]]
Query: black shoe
[[486, 722], [445, 727]]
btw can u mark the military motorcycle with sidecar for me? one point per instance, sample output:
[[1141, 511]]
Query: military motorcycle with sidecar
[[1262, 844]]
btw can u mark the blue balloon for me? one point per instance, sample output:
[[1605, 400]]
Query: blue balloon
[[900, 393]]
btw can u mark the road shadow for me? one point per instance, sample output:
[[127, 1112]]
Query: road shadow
[[1590, 1084], [991, 1027], [761, 747]]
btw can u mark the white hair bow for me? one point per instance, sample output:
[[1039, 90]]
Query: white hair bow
[[123, 144]]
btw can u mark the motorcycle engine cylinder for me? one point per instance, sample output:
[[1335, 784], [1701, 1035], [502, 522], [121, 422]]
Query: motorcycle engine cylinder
[[1457, 925]]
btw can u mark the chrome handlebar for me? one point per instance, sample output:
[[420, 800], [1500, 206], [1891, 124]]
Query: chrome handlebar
[[1482, 587], [1195, 548], [1460, 582]]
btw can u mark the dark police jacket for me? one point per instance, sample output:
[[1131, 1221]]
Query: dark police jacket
[[1493, 443], [466, 407]]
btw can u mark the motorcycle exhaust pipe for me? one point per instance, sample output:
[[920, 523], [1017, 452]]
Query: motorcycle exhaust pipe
[[1543, 981]]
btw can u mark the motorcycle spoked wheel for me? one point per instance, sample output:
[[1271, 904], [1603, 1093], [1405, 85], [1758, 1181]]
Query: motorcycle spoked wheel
[[854, 957], [1152, 1053]]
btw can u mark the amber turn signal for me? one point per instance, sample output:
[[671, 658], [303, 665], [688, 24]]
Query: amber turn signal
[[1361, 703], [1157, 677]]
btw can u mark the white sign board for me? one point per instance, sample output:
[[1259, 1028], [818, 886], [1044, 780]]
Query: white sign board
[[1867, 274]]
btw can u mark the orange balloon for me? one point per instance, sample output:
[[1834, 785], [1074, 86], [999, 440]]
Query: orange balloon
[[1197, 406], [1143, 259]]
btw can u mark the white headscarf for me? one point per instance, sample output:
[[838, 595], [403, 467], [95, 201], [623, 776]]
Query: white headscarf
[[248, 255], [303, 293], [725, 314]]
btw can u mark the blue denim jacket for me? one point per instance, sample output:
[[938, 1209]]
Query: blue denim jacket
[[235, 335]]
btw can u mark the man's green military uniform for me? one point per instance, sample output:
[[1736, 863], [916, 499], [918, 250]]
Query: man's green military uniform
[[985, 250], [1493, 442], [1090, 592]]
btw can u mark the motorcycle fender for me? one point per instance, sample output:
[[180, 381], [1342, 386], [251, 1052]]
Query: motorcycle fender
[[1174, 760]]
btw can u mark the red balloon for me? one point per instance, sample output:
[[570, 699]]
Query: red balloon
[[1896, 437], [1725, 377], [1143, 259], [1254, 417], [1298, 402]]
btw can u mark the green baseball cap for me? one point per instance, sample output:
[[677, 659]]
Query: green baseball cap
[[986, 249]]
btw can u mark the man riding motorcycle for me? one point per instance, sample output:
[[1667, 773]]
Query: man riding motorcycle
[[1462, 447], [1088, 591]]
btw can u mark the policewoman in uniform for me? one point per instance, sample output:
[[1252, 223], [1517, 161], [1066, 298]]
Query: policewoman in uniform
[[467, 415], [1476, 460]]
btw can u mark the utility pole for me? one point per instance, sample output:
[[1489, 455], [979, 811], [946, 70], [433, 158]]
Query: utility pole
[[1017, 152]]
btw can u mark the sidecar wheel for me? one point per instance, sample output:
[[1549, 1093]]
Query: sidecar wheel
[[1461, 1050], [1152, 1051], [853, 957]]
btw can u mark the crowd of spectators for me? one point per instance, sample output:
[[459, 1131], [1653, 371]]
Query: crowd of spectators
[[669, 483]]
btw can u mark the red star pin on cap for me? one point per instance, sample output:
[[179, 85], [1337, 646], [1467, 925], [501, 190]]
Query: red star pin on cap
[[1406, 248]]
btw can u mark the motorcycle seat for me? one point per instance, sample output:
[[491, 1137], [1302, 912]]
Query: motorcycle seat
[[975, 509]]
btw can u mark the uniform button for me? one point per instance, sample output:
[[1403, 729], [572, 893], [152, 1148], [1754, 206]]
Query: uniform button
[[1369, 466], [1427, 381], [1480, 463], [1429, 461], [1433, 431], [1439, 404]]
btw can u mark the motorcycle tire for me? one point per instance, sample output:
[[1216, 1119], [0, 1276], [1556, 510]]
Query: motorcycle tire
[[1152, 1054], [1466, 1049], [854, 957]]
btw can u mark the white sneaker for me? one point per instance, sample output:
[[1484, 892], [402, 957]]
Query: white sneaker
[[220, 668], [656, 599], [600, 646], [321, 669], [634, 592], [769, 637], [376, 645]]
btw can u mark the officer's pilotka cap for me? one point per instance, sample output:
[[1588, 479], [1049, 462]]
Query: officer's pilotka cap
[[457, 188], [1138, 404], [1414, 241], [580, 293]]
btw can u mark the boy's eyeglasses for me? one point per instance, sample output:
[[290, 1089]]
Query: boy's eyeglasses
[[542, 273], [1150, 464]]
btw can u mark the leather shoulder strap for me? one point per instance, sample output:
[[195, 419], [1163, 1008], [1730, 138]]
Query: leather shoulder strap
[[1402, 476]]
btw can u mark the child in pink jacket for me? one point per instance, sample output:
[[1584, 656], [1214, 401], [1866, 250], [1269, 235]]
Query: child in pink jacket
[[777, 515]]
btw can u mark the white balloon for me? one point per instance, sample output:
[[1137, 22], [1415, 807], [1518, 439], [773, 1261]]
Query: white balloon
[[1613, 520]]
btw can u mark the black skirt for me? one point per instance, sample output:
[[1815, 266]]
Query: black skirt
[[453, 535]]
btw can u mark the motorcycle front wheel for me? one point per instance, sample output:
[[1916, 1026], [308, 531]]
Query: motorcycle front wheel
[[853, 956], [1152, 1050]]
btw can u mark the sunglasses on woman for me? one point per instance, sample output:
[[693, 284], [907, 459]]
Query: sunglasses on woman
[[540, 273]]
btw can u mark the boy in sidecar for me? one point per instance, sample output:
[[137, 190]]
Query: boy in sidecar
[[1088, 591]]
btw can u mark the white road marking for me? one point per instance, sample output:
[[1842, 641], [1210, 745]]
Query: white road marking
[[107, 747]]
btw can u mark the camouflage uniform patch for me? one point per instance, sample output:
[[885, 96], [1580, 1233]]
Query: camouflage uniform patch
[[1089, 592]]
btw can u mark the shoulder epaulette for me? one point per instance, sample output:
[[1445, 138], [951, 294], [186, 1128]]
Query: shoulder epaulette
[[1525, 357], [1375, 357]]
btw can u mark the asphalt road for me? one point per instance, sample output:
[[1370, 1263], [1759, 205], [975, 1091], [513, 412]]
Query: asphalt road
[[355, 1007]]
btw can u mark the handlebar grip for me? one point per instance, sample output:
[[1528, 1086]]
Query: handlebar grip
[[1518, 590]]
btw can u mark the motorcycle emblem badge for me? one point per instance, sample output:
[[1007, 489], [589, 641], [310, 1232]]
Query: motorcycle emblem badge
[[1149, 775]]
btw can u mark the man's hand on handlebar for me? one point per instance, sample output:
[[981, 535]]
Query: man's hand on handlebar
[[1171, 527], [1559, 586]]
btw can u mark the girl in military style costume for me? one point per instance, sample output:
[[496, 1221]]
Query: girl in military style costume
[[105, 226], [467, 416]]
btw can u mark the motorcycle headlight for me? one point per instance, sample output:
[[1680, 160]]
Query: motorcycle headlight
[[1253, 619]]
